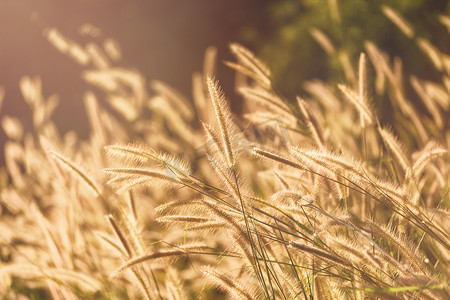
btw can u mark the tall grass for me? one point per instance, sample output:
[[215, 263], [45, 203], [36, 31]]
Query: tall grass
[[174, 199]]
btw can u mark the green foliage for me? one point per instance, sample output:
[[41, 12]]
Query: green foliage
[[293, 56]]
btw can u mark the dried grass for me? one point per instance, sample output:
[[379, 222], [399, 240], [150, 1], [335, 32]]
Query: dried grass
[[322, 206]]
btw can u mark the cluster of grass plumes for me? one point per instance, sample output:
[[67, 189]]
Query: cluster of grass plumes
[[312, 198]]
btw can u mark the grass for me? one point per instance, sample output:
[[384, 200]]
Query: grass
[[174, 199]]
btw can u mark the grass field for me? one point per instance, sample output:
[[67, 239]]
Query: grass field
[[175, 198]]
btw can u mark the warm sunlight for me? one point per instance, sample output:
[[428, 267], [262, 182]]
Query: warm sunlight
[[300, 153]]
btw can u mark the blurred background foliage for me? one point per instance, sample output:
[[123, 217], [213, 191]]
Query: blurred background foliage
[[166, 40], [287, 46]]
